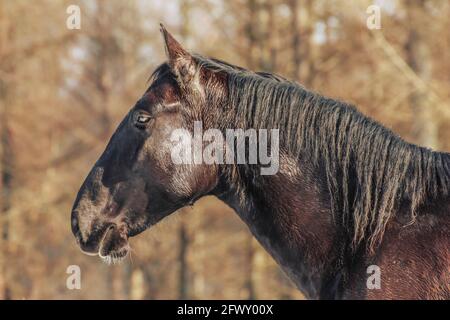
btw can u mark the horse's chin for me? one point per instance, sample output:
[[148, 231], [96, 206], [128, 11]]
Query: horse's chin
[[114, 246]]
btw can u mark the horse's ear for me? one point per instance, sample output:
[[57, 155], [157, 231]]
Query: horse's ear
[[181, 61]]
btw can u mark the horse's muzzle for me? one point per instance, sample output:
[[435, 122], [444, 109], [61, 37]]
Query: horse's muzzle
[[90, 242]]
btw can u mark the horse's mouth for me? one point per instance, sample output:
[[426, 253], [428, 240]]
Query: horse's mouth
[[114, 246]]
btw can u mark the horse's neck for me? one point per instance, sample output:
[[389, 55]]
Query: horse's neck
[[289, 213]]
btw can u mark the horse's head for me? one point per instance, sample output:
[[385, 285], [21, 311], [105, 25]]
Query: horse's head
[[136, 183]]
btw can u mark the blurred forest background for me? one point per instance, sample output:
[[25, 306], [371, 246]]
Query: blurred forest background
[[63, 92]]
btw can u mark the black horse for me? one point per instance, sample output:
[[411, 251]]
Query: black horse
[[348, 194]]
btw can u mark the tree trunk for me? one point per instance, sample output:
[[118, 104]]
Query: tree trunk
[[425, 130], [250, 254], [6, 158], [183, 242], [6, 162], [296, 39], [308, 52], [272, 37]]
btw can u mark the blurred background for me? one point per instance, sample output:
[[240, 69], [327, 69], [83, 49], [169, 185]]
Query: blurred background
[[63, 92]]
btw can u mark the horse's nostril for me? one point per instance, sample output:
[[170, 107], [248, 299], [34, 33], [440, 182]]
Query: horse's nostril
[[109, 229]]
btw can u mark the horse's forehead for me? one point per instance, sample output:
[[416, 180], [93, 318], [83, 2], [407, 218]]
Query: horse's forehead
[[162, 91]]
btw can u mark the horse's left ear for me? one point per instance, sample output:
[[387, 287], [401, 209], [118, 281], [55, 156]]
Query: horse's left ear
[[181, 61]]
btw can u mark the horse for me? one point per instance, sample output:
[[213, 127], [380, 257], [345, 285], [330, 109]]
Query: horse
[[350, 201]]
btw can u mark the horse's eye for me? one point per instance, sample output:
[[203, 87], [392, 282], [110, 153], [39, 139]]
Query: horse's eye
[[142, 119]]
